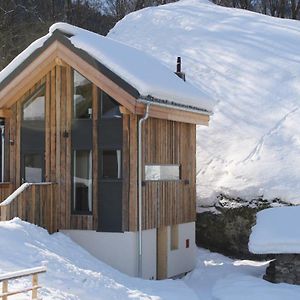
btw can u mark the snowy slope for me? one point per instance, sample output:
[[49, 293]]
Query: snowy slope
[[251, 64], [73, 274]]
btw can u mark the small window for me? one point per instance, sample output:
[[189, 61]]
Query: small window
[[109, 107], [162, 172], [111, 164], [82, 181], [33, 168], [34, 107], [83, 95], [174, 237]]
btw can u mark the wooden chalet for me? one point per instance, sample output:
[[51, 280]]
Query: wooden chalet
[[75, 119]]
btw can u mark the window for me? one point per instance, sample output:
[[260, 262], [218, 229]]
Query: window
[[109, 107], [162, 172], [34, 107], [83, 95], [33, 167], [111, 164], [82, 181]]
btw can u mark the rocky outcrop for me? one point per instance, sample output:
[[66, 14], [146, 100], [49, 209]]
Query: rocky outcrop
[[284, 268], [226, 227]]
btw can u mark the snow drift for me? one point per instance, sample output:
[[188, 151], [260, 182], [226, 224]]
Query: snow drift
[[72, 273], [250, 63]]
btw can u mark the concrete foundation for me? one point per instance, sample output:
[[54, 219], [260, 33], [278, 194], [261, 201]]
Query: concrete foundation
[[120, 250]]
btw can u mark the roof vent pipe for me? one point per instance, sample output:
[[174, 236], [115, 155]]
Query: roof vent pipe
[[178, 69]]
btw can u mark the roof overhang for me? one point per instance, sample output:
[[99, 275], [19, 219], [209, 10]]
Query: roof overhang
[[58, 50]]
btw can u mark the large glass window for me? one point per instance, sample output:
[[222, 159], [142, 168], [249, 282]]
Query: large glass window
[[34, 107], [82, 181], [33, 164], [162, 172], [109, 107], [83, 95], [111, 164]]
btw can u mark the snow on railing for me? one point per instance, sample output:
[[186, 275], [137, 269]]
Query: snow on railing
[[4, 278], [34, 203], [20, 190]]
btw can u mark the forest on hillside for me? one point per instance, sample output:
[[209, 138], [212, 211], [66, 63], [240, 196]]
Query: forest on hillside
[[23, 21]]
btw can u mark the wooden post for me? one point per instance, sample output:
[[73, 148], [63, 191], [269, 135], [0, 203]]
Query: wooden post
[[162, 252], [34, 286], [4, 289], [3, 213]]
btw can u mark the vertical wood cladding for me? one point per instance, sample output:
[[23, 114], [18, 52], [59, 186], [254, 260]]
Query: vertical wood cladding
[[164, 202], [164, 142]]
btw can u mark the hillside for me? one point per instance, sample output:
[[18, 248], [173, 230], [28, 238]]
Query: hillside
[[248, 62]]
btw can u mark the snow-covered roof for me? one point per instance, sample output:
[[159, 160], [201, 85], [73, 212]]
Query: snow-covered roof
[[147, 75], [277, 230]]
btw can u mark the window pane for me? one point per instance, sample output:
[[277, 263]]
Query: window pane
[[34, 107], [162, 172], [82, 181], [82, 97], [109, 107], [111, 164], [33, 165]]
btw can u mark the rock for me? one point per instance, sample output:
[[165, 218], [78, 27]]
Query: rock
[[226, 228], [284, 268]]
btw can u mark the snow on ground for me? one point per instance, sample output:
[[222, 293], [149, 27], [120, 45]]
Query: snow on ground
[[271, 236], [217, 277], [251, 64], [73, 274]]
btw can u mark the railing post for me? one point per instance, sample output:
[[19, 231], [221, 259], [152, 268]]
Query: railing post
[[34, 286], [4, 288], [3, 213]]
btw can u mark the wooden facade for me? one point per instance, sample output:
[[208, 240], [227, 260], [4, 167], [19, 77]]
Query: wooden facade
[[169, 138], [164, 142]]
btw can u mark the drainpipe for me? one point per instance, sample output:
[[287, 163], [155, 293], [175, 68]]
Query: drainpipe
[[140, 164], [2, 152]]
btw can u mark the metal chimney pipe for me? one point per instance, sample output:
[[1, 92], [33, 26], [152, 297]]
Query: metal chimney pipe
[[178, 69]]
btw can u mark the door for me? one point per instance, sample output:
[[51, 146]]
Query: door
[[82, 145], [110, 143], [33, 137]]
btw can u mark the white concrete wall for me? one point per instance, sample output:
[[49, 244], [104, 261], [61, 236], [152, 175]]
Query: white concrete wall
[[183, 259], [119, 250], [149, 254]]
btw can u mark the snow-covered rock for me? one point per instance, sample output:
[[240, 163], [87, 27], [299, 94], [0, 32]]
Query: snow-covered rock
[[251, 64], [277, 231]]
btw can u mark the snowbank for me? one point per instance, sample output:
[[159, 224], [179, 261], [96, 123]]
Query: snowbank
[[251, 63], [277, 231], [72, 273], [140, 70]]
